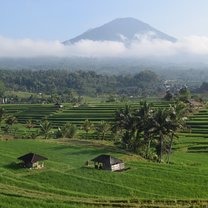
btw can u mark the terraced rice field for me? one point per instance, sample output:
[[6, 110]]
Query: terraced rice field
[[95, 112], [65, 182], [24, 112], [199, 122]]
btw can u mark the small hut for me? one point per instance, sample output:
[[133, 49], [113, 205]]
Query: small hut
[[107, 162], [32, 160], [58, 105]]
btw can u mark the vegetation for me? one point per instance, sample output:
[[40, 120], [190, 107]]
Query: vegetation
[[45, 128], [142, 126], [67, 131], [146, 131], [66, 86], [87, 126], [65, 182], [162, 142], [2, 89], [102, 129]]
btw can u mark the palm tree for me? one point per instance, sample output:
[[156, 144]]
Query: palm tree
[[10, 121], [125, 121], [87, 126], [68, 130], [161, 127], [144, 123], [103, 128], [178, 113], [45, 127], [29, 124]]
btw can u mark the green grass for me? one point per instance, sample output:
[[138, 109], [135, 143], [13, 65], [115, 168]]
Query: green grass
[[65, 181]]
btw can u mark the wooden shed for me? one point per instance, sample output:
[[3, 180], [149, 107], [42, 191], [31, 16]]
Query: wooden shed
[[107, 162], [32, 160]]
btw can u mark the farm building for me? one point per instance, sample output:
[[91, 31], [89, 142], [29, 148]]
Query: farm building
[[32, 160], [107, 162], [59, 105]]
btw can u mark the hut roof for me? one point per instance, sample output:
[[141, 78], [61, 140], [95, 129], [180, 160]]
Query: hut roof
[[32, 158], [107, 159]]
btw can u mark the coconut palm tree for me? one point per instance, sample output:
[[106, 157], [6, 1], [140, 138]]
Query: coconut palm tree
[[125, 121], [45, 127], [161, 127], [103, 127], [10, 121], [87, 126], [178, 113], [29, 124], [144, 117], [68, 130]]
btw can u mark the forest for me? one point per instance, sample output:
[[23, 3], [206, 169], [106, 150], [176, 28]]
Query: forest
[[88, 83]]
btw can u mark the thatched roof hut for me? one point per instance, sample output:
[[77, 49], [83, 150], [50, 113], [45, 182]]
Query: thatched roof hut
[[107, 162], [32, 160]]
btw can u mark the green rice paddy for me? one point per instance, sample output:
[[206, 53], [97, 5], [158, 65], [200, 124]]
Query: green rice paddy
[[66, 182]]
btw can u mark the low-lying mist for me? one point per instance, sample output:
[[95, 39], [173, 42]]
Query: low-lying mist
[[193, 48]]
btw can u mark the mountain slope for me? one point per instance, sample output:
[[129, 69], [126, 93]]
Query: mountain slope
[[122, 30]]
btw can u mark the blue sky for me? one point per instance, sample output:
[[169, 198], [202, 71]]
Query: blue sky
[[64, 19]]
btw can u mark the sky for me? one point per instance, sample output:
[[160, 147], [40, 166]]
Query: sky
[[31, 28], [65, 19]]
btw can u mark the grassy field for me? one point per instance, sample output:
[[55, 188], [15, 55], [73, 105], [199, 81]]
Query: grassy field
[[66, 182]]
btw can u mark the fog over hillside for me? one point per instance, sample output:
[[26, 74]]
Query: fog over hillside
[[121, 38], [193, 48]]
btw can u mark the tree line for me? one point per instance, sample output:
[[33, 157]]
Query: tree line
[[82, 82]]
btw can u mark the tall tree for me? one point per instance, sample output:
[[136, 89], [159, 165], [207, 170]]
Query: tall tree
[[126, 122], [10, 121], [29, 124], [178, 113], [45, 127], [144, 116], [87, 126], [161, 127], [103, 127], [68, 130]]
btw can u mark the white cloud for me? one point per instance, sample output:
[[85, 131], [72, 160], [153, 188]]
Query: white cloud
[[193, 47]]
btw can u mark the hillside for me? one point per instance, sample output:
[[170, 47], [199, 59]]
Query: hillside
[[122, 30], [66, 182]]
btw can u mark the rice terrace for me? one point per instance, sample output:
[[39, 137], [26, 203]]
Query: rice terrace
[[103, 104], [66, 181]]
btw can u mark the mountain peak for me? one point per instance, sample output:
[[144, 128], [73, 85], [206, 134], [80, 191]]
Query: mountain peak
[[126, 19], [122, 30]]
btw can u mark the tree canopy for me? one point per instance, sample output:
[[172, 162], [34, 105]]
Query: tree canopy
[[80, 82]]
